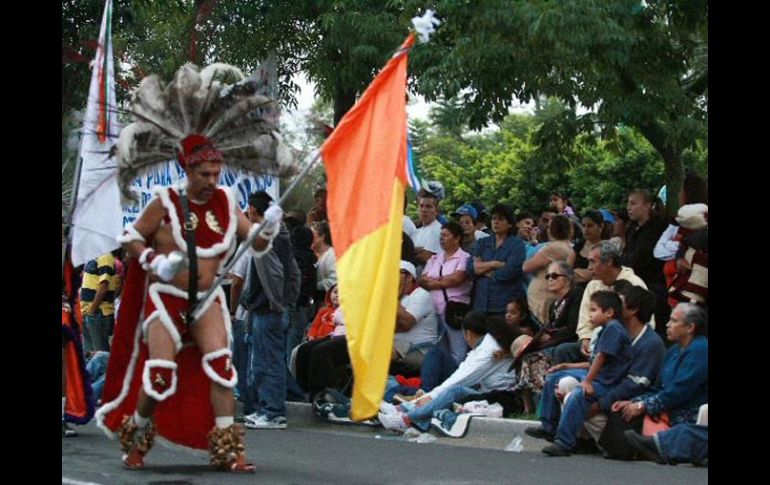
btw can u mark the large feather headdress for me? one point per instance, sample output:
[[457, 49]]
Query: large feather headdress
[[218, 103]]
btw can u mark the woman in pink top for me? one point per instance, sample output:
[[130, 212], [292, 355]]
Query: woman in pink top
[[444, 276]]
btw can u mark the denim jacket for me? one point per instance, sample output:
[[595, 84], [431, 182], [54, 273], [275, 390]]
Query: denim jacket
[[493, 291]]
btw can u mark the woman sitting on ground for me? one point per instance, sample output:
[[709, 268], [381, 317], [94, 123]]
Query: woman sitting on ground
[[561, 327], [683, 379], [558, 248]]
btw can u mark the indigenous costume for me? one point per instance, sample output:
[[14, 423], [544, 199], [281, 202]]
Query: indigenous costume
[[184, 120]]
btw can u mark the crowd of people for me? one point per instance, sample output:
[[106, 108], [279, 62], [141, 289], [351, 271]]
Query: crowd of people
[[566, 316]]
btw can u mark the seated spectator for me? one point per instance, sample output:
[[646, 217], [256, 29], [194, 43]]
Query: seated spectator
[[517, 315], [328, 325], [97, 370], [444, 276], [323, 323], [608, 366], [558, 248], [683, 379], [416, 324], [479, 373], [684, 443], [560, 328]]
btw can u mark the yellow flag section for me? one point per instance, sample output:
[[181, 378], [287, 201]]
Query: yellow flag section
[[365, 159]]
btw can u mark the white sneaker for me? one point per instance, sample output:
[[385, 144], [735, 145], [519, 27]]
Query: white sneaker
[[388, 408], [393, 422], [262, 422]]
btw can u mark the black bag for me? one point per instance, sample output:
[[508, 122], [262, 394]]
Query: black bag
[[455, 310], [613, 441]]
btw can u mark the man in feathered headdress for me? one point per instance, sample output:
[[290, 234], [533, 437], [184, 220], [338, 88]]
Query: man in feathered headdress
[[170, 375]]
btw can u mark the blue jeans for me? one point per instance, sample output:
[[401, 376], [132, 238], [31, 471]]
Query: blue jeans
[[575, 413], [437, 365], [298, 328], [97, 368], [240, 350], [98, 329], [266, 393], [421, 417], [684, 443]]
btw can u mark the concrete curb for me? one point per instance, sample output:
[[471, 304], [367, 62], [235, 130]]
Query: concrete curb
[[496, 429]]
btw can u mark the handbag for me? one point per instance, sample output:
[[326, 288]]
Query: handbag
[[455, 310], [652, 425]]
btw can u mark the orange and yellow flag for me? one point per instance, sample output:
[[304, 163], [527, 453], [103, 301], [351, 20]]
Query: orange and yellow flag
[[365, 159]]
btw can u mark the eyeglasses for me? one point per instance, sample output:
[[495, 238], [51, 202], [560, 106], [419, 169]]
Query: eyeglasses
[[553, 276]]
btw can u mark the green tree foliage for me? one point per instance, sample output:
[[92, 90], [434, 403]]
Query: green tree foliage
[[638, 64], [507, 165]]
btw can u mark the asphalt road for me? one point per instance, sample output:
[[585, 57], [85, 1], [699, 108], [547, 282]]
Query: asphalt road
[[322, 453]]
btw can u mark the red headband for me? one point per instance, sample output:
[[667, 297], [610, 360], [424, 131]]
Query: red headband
[[195, 149]]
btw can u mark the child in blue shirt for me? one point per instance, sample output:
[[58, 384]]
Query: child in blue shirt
[[608, 365]]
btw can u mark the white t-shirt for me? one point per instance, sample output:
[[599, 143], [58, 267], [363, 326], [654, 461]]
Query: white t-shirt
[[241, 270], [326, 270], [408, 227], [427, 237], [425, 330]]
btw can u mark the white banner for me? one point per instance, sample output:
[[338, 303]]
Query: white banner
[[171, 174]]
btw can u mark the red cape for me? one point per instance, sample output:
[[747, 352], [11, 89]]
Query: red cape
[[185, 417]]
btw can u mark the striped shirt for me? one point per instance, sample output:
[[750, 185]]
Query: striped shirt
[[96, 271]]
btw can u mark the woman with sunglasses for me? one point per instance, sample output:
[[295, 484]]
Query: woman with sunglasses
[[557, 248], [560, 327]]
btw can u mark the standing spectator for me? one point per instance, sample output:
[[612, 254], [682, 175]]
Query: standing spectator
[[270, 295], [483, 218], [301, 240], [467, 215], [561, 204], [97, 301], [619, 229], [593, 234], [641, 236], [318, 212], [426, 239], [541, 231], [496, 265], [326, 266], [557, 249], [446, 279]]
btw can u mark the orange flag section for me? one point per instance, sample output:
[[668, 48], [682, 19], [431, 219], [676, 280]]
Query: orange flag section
[[363, 155], [365, 159]]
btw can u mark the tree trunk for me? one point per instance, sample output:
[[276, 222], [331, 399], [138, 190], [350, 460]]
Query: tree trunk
[[343, 101], [672, 159]]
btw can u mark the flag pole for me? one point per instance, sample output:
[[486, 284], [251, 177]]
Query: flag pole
[[67, 222]]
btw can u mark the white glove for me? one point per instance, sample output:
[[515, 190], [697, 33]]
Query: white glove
[[162, 267], [272, 222], [274, 214]]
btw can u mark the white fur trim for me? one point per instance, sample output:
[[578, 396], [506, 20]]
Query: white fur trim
[[176, 228], [130, 234], [163, 364], [161, 313], [212, 374], [143, 258], [112, 405]]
